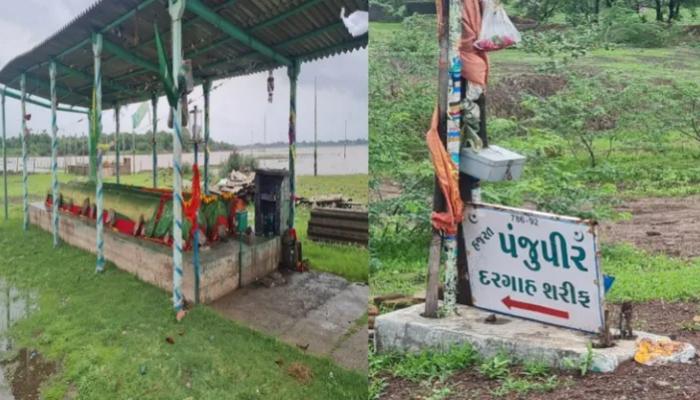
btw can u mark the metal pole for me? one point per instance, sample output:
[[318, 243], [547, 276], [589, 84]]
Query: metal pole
[[207, 91], [116, 139], [177, 8], [4, 154], [315, 130], [196, 229], [453, 144], [97, 120], [133, 149], [154, 105], [100, 215], [54, 149], [195, 140], [433, 278], [293, 73], [25, 137], [89, 148]]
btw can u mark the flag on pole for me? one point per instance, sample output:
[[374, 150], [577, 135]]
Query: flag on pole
[[137, 117]]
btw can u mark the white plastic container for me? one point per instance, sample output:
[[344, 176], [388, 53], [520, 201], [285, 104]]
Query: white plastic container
[[492, 164]]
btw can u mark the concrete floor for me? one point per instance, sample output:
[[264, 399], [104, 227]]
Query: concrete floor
[[311, 308]]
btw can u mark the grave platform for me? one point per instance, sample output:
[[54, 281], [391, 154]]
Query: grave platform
[[152, 262], [406, 330]]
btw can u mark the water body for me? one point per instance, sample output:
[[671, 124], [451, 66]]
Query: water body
[[332, 160], [24, 370]]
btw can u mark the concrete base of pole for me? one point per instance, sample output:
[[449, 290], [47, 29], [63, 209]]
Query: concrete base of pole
[[407, 330]]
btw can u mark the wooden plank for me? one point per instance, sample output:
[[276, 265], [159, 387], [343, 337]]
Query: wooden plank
[[340, 213], [340, 224]]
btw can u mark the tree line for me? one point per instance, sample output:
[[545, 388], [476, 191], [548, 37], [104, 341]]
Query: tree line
[[39, 144], [544, 10]]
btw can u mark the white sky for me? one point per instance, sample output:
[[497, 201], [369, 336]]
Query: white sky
[[238, 107]]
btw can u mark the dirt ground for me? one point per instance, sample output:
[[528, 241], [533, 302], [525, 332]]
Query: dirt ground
[[660, 225], [630, 382]]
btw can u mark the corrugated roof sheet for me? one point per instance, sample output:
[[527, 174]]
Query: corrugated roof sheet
[[311, 31]]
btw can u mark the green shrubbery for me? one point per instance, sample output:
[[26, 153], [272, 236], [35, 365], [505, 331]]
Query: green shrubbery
[[238, 162]]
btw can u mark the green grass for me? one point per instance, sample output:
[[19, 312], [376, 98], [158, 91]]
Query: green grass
[[349, 261], [641, 276], [83, 315], [434, 368]]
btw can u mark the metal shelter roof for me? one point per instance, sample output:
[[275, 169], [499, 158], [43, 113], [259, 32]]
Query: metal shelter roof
[[223, 38]]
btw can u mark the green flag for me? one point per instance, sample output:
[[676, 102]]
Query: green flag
[[137, 117]]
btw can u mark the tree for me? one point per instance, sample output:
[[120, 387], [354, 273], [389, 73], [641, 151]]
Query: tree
[[542, 10]]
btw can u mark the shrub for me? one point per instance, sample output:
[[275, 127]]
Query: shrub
[[238, 162]]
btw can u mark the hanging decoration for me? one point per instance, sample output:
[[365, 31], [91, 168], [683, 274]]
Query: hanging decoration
[[270, 87]]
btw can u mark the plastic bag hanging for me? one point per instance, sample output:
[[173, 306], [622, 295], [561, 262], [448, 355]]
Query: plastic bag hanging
[[270, 87], [356, 23], [497, 31]]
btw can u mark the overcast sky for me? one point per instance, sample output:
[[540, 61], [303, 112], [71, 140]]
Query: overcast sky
[[238, 107]]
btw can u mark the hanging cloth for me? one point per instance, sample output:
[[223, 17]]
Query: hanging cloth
[[448, 179], [192, 205], [475, 63]]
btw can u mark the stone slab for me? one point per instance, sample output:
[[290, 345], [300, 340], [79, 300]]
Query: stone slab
[[407, 330], [313, 310]]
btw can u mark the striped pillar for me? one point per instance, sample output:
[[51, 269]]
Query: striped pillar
[[97, 117], [4, 154], [207, 90], [25, 159], [97, 126], [154, 105], [54, 149], [293, 73], [100, 216], [91, 172], [453, 143], [116, 139], [177, 9]]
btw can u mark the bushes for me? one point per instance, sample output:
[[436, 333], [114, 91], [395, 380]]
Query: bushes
[[623, 26], [237, 162]]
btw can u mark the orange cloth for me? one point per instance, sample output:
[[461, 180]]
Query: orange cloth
[[448, 179], [475, 63]]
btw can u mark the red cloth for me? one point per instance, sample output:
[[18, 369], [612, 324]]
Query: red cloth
[[195, 200]]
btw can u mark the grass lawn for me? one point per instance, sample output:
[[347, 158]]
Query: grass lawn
[[104, 328], [349, 261]]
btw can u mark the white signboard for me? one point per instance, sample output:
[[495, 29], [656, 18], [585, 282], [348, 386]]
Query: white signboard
[[536, 266]]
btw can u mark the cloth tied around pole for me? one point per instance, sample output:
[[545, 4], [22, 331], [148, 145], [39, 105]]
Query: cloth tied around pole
[[475, 62], [447, 174]]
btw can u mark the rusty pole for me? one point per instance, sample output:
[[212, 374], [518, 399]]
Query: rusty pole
[[431, 296]]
